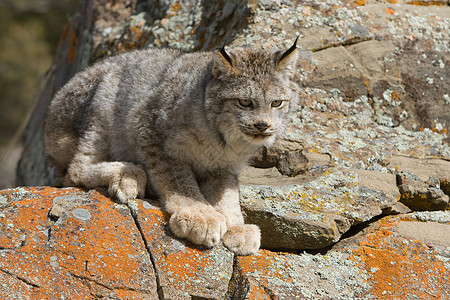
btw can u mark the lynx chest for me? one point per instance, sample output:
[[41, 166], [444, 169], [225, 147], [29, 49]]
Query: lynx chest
[[206, 153]]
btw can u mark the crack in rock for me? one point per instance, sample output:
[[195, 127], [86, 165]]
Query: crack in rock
[[20, 278], [111, 288], [132, 206], [346, 43]]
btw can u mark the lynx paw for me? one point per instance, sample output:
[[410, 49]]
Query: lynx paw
[[128, 184], [243, 239], [202, 225]]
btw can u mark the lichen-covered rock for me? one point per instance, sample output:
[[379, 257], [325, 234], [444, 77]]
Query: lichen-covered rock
[[423, 183], [390, 261], [419, 195], [75, 244], [314, 214], [185, 271], [88, 247], [67, 243]]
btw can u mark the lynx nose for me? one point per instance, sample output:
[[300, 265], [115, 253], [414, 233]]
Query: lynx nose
[[261, 126]]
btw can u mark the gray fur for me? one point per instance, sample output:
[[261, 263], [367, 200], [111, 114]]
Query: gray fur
[[170, 123]]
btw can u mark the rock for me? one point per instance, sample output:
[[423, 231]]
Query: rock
[[425, 169], [290, 158], [423, 184], [419, 195], [314, 214], [397, 208], [185, 271], [70, 243], [96, 248], [390, 260], [91, 248]]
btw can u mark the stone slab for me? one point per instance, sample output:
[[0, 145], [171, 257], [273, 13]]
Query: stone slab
[[93, 249], [184, 270], [314, 214], [385, 263]]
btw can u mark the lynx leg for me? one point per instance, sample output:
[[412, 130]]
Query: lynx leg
[[223, 193], [192, 217], [124, 180]]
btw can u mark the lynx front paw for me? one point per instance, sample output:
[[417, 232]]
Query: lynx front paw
[[202, 225], [128, 184], [243, 239]]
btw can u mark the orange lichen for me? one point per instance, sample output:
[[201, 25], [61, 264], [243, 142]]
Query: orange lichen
[[56, 257], [257, 292], [398, 267], [135, 30], [262, 264], [184, 266], [390, 11], [72, 50], [174, 8], [65, 32], [360, 2], [395, 96]]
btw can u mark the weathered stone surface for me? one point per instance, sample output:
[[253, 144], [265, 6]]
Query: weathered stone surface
[[326, 124], [390, 261], [419, 195], [290, 158], [426, 168], [184, 270], [423, 183], [91, 248], [315, 214], [398, 208]]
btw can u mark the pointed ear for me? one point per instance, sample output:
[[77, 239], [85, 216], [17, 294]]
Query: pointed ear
[[288, 61], [222, 63]]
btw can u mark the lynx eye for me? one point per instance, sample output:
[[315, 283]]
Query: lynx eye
[[276, 103], [245, 102]]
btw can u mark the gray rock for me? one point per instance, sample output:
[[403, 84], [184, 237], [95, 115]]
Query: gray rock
[[81, 214], [397, 208], [304, 276], [290, 158], [314, 214], [420, 182], [66, 204]]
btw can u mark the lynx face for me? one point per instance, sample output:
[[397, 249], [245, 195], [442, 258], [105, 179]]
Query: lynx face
[[251, 94]]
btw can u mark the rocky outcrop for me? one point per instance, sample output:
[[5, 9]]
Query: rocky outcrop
[[75, 244], [369, 139]]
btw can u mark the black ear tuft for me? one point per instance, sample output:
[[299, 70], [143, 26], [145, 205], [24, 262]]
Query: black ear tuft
[[225, 55], [290, 50], [222, 63]]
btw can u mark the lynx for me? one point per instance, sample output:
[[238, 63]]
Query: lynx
[[178, 125]]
